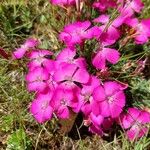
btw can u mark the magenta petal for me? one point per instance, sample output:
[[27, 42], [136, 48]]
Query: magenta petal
[[102, 19], [99, 94], [104, 109], [115, 110], [63, 112], [36, 86], [86, 109], [19, 53], [99, 61], [111, 87], [66, 54], [132, 133], [144, 117], [111, 55], [96, 120], [48, 113], [126, 122], [81, 76], [119, 98], [141, 39], [65, 72]]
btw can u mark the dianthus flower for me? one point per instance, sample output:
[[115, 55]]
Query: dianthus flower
[[78, 32], [103, 5], [40, 107], [40, 58], [106, 54], [29, 43], [111, 99], [36, 79], [63, 101], [70, 74], [68, 55], [134, 122]]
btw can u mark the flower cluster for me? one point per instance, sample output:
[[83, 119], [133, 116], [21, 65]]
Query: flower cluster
[[62, 82]]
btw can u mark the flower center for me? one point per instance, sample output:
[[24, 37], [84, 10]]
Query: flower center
[[63, 102], [44, 105], [110, 99]]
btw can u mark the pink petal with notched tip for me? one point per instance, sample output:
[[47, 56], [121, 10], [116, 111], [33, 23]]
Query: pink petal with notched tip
[[63, 112], [66, 54], [132, 133], [113, 35], [141, 39], [37, 86], [125, 122], [81, 76], [144, 117], [96, 120], [146, 24], [99, 61], [31, 42], [115, 110], [119, 99], [102, 19], [65, 72], [86, 109], [111, 87], [81, 62], [112, 55], [132, 22], [136, 5], [143, 131], [48, 113], [133, 113], [99, 94], [104, 109], [38, 73], [19, 53], [43, 115]]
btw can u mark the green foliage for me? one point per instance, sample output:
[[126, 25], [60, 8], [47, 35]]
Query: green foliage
[[18, 141], [7, 123], [141, 92]]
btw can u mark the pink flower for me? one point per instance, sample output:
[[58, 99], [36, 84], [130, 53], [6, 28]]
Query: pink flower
[[40, 58], [110, 34], [29, 43], [70, 74], [63, 2], [110, 98], [78, 32], [106, 54], [142, 31], [36, 79], [130, 6], [134, 122], [103, 5], [86, 94], [64, 100], [68, 55], [41, 109]]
